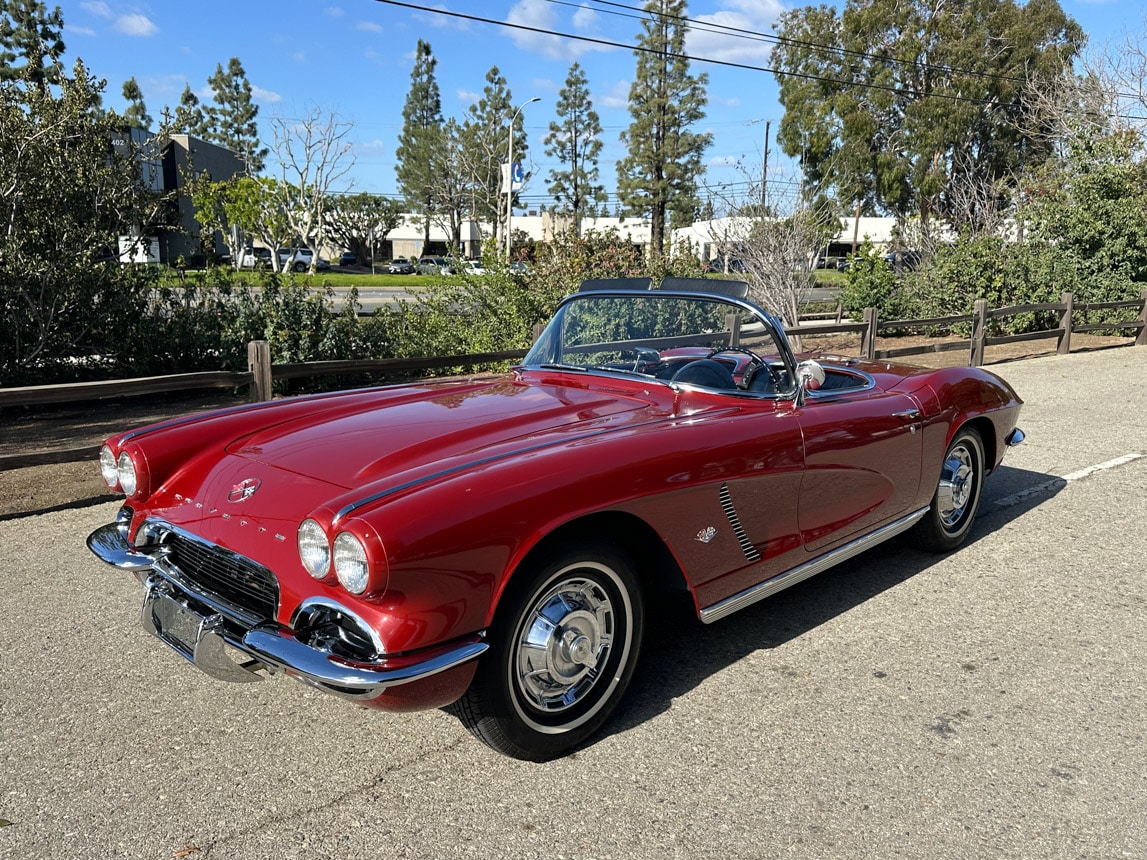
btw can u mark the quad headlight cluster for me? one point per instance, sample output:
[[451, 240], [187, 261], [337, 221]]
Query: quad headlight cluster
[[118, 472], [348, 557]]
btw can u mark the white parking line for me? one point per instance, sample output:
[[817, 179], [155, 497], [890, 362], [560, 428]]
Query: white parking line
[[1016, 498]]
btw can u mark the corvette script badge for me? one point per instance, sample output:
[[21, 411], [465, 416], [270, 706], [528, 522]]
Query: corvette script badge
[[245, 489]]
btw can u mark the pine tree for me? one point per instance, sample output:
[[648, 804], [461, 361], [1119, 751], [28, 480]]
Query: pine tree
[[485, 133], [658, 177], [136, 113], [189, 117], [29, 32], [421, 131], [575, 142], [231, 119]]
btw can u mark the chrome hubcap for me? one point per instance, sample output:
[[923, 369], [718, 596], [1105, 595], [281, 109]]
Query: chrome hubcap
[[564, 640], [957, 483]]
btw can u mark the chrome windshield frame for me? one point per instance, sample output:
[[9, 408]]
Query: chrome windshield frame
[[770, 322]]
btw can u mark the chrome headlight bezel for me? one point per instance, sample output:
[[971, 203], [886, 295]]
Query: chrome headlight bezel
[[314, 549], [351, 563]]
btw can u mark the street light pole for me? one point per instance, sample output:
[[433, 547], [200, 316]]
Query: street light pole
[[510, 173]]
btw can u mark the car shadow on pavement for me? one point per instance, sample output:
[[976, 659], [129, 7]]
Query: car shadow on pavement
[[680, 652]]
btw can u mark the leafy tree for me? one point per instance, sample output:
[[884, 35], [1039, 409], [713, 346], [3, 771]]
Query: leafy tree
[[68, 200], [575, 141], [230, 120], [136, 113], [658, 177], [421, 133], [484, 136], [904, 106], [244, 207], [30, 32], [358, 221]]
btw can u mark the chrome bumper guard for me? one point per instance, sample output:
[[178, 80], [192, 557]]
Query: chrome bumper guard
[[193, 627]]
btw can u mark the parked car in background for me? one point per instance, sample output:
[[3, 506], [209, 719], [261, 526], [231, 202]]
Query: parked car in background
[[519, 268], [400, 266], [347, 260], [500, 545], [299, 260], [473, 267], [255, 258], [434, 266]]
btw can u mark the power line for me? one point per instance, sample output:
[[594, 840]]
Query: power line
[[711, 60]]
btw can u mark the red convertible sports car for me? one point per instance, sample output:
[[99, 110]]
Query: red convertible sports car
[[495, 545]]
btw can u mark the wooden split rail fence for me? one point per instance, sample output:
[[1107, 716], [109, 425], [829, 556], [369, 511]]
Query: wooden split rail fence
[[261, 373]]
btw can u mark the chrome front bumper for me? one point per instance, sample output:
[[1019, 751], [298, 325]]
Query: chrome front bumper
[[198, 628]]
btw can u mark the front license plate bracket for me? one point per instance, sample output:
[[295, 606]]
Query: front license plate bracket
[[195, 636]]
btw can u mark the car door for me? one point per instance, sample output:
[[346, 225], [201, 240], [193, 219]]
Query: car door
[[863, 456]]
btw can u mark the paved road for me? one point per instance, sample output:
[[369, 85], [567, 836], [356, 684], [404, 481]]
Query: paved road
[[987, 704]]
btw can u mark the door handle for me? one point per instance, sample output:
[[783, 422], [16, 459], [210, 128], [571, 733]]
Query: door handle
[[907, 414]]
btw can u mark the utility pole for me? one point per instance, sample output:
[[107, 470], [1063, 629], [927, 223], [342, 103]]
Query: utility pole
[[765, 172]]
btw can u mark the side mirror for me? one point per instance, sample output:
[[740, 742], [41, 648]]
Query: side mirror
[[810, 375]]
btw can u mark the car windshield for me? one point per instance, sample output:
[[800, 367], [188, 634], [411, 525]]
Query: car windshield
[[657, 334]]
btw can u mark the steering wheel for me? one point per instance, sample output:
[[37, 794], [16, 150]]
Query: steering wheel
[[756, 365]]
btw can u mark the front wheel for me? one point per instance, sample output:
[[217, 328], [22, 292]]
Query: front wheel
[[563, 648], [957, 496]]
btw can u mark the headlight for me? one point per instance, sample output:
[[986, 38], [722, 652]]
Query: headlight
[[314, 549], [351, 564], [125, 471], [108, 468]]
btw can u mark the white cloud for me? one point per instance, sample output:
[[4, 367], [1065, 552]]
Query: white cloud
[[335, 11], [542, 17], [100, 10], [368, 27], [724, 161], [617, 97], [728, 34], [135, 24], [375, 144], [440, 21], [79, 31], [468, 96], [265, 95], [299, 56]]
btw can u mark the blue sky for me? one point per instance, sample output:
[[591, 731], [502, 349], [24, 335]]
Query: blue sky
[[353, 57]]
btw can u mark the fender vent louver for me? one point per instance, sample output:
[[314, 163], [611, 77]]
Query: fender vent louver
[[747, 547]]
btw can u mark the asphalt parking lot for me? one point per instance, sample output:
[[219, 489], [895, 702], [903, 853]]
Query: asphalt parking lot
[[991, 703]]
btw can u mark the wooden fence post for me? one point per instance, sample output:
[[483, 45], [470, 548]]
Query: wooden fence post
[[1141, 338], [1064, 348], [259, 363], [733, 324], [868, 338], [979, 332]]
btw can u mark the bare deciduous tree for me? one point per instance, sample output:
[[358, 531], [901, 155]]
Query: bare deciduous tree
[[313, 155]]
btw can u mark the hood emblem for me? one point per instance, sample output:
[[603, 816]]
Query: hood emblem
[[244, 490]]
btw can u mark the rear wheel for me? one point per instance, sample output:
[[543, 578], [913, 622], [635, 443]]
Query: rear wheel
[[957, 496], [563, 648]]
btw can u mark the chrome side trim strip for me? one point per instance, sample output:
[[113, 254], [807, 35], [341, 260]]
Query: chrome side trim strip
[[809, 569]]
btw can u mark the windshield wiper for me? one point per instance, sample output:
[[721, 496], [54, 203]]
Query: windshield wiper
[[578, 367]]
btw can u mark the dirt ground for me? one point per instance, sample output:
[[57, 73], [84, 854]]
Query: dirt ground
[[42, 489]]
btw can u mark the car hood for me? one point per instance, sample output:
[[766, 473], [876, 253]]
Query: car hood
[[367, 436]]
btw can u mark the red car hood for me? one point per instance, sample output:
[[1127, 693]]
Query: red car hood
[[368, 435]]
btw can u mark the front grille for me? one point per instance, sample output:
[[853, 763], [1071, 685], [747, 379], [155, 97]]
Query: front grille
[[224, 573]]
